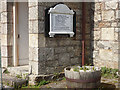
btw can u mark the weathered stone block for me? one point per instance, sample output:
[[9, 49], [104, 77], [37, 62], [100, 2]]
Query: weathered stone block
[[107, 34], [97, 6], [88, 26], [75, 42], [33, 40], [114, 24], [116, 57], [114, 45], [64, 58], [74, 5], [104, 44], [65, 42], [4, 40], [96, 25], [42, 54], [111, 5], [3, 17], [60, 49], [32, 78], [6, 51], [33, 53], [4, 62], [104, 24], [77, 51], [32, 4], [96, 35], [87, 43], [46, 54], [41, 26], [41, 40], [72, 54], [118, 25], [102, 6], [51, 70], [33, 67], [116, 36], [96, 29], [49, 53], [51, 42], [78, 12], [41, 12], [117, 14], [70, 49], [33, 27], [97, 16], [79, 37], [56, 57], [117, 30], [4, 28], [108, 15], [94, 45], [42, 68], [106, 54], [78, 25], [33, 13], [75, 61], [52, 63], [4, 6], [95, 54]]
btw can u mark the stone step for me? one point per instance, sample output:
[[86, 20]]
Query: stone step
[[13, 81], [21, 71]]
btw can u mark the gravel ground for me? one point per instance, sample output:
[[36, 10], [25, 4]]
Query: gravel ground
[[105, 83]]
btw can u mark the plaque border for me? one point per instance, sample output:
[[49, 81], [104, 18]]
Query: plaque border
[[47, 22]]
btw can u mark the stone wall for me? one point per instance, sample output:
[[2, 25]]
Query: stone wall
[[46, 55], [52, 54], [106, 34], [49, 55], [62, 51], [6, 33]]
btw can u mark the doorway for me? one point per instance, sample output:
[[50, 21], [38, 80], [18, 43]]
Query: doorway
[[21, 34]]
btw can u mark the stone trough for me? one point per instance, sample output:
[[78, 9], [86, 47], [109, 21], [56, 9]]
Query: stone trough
[[83, 77]]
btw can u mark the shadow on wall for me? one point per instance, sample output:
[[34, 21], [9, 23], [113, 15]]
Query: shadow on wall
[[89, 34]]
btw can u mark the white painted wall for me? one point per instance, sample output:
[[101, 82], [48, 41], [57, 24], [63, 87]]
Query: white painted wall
[[23, 40]]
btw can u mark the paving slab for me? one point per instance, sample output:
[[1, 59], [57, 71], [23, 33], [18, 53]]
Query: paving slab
[[13, 81]]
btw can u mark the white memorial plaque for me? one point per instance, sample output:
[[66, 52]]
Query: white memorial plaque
[[61, 20]]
